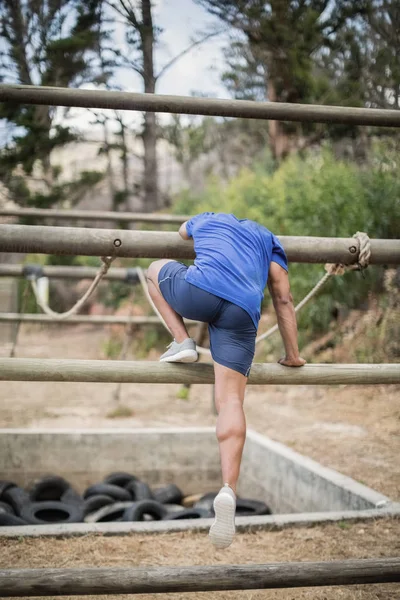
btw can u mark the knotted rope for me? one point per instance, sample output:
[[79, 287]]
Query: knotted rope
[[363, 258], [107, 260]]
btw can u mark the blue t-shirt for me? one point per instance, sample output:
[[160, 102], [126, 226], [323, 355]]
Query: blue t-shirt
[[232, 258]]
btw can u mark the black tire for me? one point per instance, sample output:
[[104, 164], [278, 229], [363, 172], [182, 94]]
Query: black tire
[[7, 520], [139, 510], [5, 485], [188, 513], [206, 501], [17, 498], [139, 490], [72, 497], [120, 478], [116, 492], [168, 494], [93, 503], [43, 513], [112, 512], [49, 488], [251, 508], [173, 508], [6, 508]]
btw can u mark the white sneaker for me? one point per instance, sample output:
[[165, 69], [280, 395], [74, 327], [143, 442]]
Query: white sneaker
[[222, 530], [185, 352]]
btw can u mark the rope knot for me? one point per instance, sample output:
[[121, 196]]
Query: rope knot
[[364, 249]]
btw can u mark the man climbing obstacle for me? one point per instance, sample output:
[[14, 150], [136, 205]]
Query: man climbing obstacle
[[224, 288]]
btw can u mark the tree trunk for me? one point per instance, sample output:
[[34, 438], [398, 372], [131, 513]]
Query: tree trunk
[[44, 122], [125, 167], [109, 168], [150, 183], [278, 139]]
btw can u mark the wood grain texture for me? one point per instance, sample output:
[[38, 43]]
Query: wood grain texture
[[87, 319], [281, 111], [155, 580], [94, 215], [102, 371], [155, 244]]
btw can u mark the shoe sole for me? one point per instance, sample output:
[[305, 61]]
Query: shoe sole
[[222, 530], [184, 356]]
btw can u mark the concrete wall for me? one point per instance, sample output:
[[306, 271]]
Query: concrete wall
[[187, 457], [286, 480], [289, 482]]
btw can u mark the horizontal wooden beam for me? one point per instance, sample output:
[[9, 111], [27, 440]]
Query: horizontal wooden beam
[[155, 244], [165, 580], [280, 111], [86, 319], [94, 215], [113, 371], [128, 275]]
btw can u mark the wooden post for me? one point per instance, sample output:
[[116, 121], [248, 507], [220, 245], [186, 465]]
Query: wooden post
[[199, 337], [103, 371], [278, 111], [154, 244], [164, 580], [94, 215]]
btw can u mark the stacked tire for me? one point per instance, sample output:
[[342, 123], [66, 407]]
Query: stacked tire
[[119, 497]]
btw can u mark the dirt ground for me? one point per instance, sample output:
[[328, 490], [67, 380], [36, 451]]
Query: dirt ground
[[354, 429], [331, 542]]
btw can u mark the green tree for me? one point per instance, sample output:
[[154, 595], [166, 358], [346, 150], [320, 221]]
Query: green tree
[[49, 43], [382, 55], [275, 48]]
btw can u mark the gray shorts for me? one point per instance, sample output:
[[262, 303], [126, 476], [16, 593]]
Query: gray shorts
[[232, 331]]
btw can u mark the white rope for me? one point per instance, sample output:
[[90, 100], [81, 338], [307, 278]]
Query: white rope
[[364, 249], [107, 260], [364, 254], [300, 305]]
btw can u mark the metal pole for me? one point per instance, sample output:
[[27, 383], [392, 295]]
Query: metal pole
[[114, 371], [164, 580], [280, 111], [155, 244], [94, 215]]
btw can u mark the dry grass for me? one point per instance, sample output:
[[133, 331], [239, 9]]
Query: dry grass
[[359, 540]]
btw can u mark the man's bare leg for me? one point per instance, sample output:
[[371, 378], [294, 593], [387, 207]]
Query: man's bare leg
[[231, 433], [172, 319], [231, 423]]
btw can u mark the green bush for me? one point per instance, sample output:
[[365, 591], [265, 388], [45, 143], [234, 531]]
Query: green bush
[[315, 195]]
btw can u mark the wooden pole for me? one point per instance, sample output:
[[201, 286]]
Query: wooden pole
[[113, 371], [65, 272], [164, 580], [85, 319], [154, 244], [94, 215], [279, 111]]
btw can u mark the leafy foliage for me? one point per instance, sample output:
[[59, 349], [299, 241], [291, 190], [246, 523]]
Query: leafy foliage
[[46, 43], [315, 195]]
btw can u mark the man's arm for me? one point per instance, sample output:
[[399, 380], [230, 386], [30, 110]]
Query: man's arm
[[182, 231], [278, 285]]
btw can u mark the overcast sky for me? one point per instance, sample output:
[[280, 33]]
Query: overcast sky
[[198, 72]]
